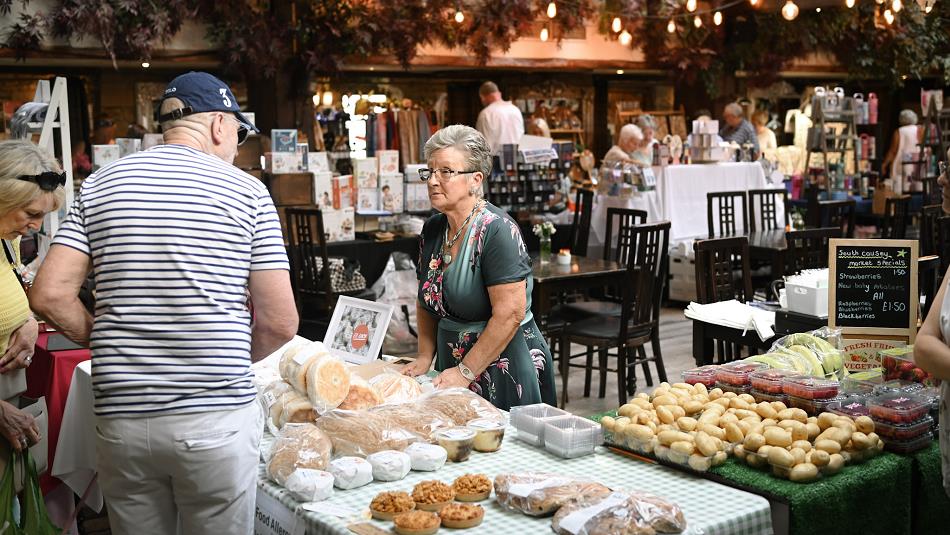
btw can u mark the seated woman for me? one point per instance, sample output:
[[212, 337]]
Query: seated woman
[[643, 154], [631, 137], [474, 307]]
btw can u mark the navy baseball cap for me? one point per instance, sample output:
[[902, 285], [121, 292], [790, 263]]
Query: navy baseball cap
[[201, 92]]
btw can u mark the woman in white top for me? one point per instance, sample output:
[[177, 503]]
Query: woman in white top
[[903, 149], [643, 155], [766, 135], [932, 351]]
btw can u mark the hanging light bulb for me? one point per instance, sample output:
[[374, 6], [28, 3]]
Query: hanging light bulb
[[690, 5], [717, 18], [327, 98], [880, 2], [753, 3], [316, 99], [698, 22], [544, 33], [789, 10], [888, 17], [459, 16], [928, 8], [896, 6], [671, 27], [625, 38], [849, 3], [616, 25], [146, 65], [817, 10], [552, 10]]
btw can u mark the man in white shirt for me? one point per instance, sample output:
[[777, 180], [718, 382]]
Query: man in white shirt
[[500, 121]]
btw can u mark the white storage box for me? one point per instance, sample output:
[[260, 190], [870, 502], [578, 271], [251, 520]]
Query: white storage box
[[807, 300], [529, 420], [571, 436]]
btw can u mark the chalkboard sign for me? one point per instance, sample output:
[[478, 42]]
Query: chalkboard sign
[[872, 287]]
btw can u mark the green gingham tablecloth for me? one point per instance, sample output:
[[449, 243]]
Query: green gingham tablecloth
[[710, 508]]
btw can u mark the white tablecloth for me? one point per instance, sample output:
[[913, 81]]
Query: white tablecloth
[[75, 462], [643, 200]]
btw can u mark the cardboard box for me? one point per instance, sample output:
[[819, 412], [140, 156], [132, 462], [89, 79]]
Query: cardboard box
[[282, 162], [291, 188], [339, 224], [412, 172], [367, 199], [153, 140], [318, 162], [323, 190], [343, 192], [364, 169], [128, 145], [283, 141], [303, 151], [391, 193], [417, 197], [103, 155], [388, 161], [861, 354]]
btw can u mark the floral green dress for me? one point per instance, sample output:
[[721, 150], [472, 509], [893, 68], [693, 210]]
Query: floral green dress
[[492, 252]]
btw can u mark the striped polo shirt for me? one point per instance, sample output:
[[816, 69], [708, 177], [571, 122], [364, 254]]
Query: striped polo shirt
[[173, 234]]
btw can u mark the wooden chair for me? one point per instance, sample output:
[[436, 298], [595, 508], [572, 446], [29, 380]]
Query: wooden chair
[[894, 225], [716, 262], [724, 204], [310, 264], [928, 282], [838, 214], [929, 231], [933, 193], [580, 227], [768, 200], [808, 249]]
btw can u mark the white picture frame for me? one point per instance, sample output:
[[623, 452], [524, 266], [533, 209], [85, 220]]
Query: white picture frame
[[349, 315]]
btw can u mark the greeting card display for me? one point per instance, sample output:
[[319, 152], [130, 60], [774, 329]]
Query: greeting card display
[[357, 329], [390, 193], [323, 190]]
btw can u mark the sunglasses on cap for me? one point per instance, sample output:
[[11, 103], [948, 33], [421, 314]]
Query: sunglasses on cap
[[188, 110], [47, 181]]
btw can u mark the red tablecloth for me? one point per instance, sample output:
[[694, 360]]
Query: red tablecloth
[[49, 375]]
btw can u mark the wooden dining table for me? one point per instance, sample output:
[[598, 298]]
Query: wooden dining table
[[769, 245], [552, 279]]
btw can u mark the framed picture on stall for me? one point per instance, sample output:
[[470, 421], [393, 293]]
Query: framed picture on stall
[[357, 329]]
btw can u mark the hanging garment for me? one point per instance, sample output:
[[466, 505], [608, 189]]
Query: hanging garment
[[901, 171]]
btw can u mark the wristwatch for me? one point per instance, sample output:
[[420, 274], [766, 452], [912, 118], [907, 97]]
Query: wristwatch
[[466, 372]]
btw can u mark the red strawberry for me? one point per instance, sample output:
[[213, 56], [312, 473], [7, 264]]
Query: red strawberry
[[907, 366], [919, 375]]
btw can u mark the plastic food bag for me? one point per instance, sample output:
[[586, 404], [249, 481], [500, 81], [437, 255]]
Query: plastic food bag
[[817, 353], [398, 286], [361, 396], [539, 494], [298, 446], [361, 433], [461, 406], [269, 398], [618, 513], [416, 418], [396, 388], [295, 408]]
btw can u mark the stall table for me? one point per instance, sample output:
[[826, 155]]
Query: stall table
[[710, 508]]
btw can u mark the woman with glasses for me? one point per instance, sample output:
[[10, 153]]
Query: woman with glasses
[[31, 186], [474, 307], [932, 347]]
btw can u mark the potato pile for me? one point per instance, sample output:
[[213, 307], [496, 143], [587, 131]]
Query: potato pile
[[690, 425]]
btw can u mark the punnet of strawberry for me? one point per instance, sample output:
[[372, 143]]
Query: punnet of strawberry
[[902, 367]]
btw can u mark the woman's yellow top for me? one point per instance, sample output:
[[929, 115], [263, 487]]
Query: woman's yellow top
[[14, 306]]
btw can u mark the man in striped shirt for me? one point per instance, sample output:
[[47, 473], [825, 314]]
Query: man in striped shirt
[[176, 237]]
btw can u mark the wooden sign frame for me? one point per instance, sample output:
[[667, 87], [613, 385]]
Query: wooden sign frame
[[910, 332]]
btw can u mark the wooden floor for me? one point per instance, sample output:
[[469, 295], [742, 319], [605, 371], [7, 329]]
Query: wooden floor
[[676, 339]]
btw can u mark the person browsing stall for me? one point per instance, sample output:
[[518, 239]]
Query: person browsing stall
[[932, 348], [175, 237], [631, 137], [737, 129], [500, 121], [643, 154], [31, 186], [474, 306]]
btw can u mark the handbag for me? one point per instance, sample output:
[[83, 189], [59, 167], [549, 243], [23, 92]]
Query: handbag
[[34, 519], [38, 451], [345, 275]]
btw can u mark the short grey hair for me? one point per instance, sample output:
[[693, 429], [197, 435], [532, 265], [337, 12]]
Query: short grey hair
[[465, 139], [20, 157], [488, 88], [734, 108], [630, 131], [646, 121], [907, 118], [198, 122]]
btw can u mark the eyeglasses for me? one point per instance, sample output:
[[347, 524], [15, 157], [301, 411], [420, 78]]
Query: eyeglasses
[[942, 166], [242, 130], [47, 181], [443, 174]]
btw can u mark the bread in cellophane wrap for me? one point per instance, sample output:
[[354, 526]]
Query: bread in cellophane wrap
[[295, 409], [361, 396], [361, 433], [396, 388], [269, 398], [540, 494], [298, 446], [618, 513], [328, 381], [461, 405], [295, 362]]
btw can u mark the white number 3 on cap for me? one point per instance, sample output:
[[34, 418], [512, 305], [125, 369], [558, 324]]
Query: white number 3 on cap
[[227, 101]]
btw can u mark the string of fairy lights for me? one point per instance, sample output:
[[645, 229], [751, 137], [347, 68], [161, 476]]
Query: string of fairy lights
[[692, 15]]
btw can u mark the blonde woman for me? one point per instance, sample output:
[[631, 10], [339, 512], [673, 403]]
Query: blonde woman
[[31, 186]]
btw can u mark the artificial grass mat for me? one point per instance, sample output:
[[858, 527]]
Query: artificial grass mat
[[931, 504]]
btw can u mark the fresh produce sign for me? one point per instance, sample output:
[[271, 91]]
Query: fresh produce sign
[[873, 288]]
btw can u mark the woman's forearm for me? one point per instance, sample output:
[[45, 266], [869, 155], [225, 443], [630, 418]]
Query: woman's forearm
[[930, 349], [427, 326], [499, 331]]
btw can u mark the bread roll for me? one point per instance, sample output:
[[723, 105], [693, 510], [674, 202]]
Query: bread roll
[[461, 405], [295, 408], [396, 388], [328, 382], [294, 364], [361, 396], [299, 446]]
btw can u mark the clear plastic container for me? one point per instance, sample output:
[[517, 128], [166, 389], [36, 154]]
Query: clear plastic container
[[895, 386], [733, 388], [862, 382], [899, 363], [765, 396], [529, 420], [703, 374], [571, 436], [899, 408], [850, 408], [810, 388], [737, 373], [909, 446], [770, 381], [813, 407], [889, 431]]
